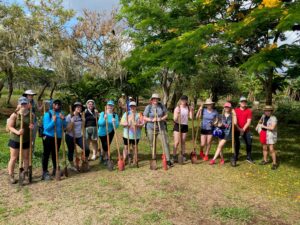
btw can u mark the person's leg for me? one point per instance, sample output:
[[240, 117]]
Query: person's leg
[[273, 154], [34, 131], [26, 159], [46, 153], [86, 148], [208, 144], [150, 139], [183, 139], [94, 148], [176, 143], [125, 149], [14, 154], [70, 145], [265, 153], [248, 140], [237, 145], [203, 139], [104, 146], [219, 149]]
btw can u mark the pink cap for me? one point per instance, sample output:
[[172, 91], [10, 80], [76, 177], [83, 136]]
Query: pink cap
[[227, 104]]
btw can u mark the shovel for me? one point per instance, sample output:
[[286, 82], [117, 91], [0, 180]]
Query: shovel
[[135, 144], [21, 169], [164, 159], [128, 143], [233, 122], [193, 155], [77, 160], [64, 152], [121, 163], [57, 173], [110, 164], [100, 150], [84, 162], [30, 149], [180, 156], [153, 165], [197, 132]]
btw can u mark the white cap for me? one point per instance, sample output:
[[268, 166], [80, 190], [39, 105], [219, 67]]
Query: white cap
[[132, 104], [29, 92]]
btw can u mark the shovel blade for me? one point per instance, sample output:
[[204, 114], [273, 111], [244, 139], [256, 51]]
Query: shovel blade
[[164, 162], [153, 165], [193, 157], [21, 176], [57, 175], [121, 165], [84, 167], [180, 159], [110, 165]]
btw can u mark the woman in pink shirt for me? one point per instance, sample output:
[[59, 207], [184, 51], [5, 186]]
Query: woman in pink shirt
[[184, 111]]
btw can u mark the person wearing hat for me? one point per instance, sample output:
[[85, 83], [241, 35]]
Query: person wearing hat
[[122, 104], [36, 109], [74, 127], [134, 119], [160, 117], [111, 118], [91, 115], [53, 121], [267, 129], [14, 127], [225, 125], [244, 118], [184, 111], [209, 116]]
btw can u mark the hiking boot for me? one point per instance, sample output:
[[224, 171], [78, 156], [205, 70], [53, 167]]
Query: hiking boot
[[170, 164], [212, 162], [46, 176], [222, 162], [205, 158], [201, 154], [274, 166], [249, 160], [263, 162], [12, 179]]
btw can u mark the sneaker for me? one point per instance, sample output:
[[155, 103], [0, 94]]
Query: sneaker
[[93, 157], [222, 161], [205, 158], [274, 166], [46, 176], [12, 179], [201, 154], [249, 160], [263, 162], [170, 164], [174, 159], [184, 158], [212, 162]]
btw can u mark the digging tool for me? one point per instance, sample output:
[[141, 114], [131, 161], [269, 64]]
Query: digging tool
[[77, 160], [100, 150], [84, 162], [180, 156], [164, 159], [128, 143], [64, 152], [135, 144], [110, 164], [198, 129], [30, 149], [21, 169], [121, 163], [233, 122], [193, 155], [153, 164], [57, 173]]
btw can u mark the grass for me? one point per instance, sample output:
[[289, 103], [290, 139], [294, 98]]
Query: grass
[[188, 194]]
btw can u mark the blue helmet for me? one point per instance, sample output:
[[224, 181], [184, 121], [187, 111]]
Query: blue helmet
[[218, 133]]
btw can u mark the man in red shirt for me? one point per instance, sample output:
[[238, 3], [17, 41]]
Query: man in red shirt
[[244, 117]]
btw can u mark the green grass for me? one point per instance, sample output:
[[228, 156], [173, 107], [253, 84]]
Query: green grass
[[233, 213]]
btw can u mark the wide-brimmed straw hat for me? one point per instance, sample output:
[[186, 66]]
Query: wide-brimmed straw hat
[[77, 104], [29, 92], [208, 102], [155, 96], [268, 108]]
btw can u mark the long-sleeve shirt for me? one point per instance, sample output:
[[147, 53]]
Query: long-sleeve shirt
[[102, 126], [48, 124]]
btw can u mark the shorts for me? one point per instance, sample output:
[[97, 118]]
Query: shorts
[[206, 132], [91, 133], [14, 144], [131, 141], [263, 137], [184, 128]]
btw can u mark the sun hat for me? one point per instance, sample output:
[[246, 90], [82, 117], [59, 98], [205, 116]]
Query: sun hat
[[268, 108], [22, 100], [90, 100], [132, 104], [123, 94], [208, 102], [155, 96], [29, 92], [110, 102], [184, 97], [227, 104], [243, 99], [77, 104]]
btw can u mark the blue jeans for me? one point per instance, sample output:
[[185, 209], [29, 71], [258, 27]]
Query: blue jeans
[[71, 147], [248, 140]]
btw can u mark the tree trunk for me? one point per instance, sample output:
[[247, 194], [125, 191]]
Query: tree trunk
[[166, 83], [10, 76], [1, 86], [52, 90], [42, 91], [268, 87]]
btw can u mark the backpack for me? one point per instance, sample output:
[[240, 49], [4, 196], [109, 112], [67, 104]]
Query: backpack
[[41, 127]]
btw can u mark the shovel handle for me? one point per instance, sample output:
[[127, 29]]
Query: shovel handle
[[83, 135], [21, 143], [117, 141], [233, 122], [154, 136], [107, 135], [30, 138]]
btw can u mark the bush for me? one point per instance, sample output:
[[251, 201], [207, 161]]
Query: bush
[[288, 112]]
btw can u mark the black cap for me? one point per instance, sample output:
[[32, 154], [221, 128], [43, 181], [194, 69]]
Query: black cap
[[57, 101], [184, 97], [77, 104]]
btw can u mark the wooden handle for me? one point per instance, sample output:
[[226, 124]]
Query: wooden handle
[[21, 143]]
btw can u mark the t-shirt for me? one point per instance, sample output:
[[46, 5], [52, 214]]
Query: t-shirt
[[77, 125], [184, 115], [138, 120], [161, 111], [242, 116], [208, 119]]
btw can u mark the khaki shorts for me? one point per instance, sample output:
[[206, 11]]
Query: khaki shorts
[[91, 133]]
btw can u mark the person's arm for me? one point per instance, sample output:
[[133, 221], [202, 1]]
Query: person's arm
[[199, 113], [69, 123], [165, 114], [176, 114], [249, 119], [101, 121], [191, 112], [146, 114], [272, 126], [11, 123], [116, 120], [48, 121], [123, 120]]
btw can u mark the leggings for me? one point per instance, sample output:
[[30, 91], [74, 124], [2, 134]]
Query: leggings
[[71, 147]]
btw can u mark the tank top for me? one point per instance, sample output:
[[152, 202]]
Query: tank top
[[17, 126]]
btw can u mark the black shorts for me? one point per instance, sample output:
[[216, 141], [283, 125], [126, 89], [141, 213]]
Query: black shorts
[[131, 141], [14, 144], [184, 128], [206, 132]]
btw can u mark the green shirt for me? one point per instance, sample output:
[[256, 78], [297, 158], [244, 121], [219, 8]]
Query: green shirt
[[17, 126]]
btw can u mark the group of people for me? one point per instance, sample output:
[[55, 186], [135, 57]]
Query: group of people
[[91, 130]]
